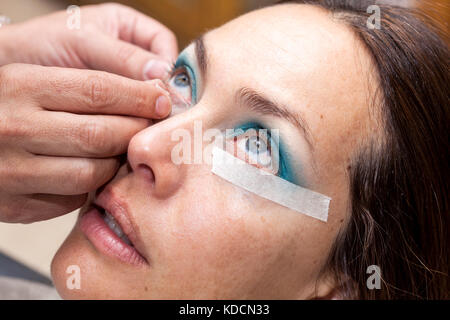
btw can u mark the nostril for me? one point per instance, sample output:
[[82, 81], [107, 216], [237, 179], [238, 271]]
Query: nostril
[[146, 172]]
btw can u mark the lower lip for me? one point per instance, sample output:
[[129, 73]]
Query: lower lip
[[106, 241]]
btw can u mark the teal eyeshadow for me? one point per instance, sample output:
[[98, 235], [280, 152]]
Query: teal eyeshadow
[[184, 61], [287, 171]]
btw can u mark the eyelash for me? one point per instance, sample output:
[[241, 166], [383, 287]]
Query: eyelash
[[173, 68]]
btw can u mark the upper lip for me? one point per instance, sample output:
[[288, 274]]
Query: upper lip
[[119, 210]]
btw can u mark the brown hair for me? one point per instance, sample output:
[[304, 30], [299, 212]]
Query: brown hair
[[399, 191]]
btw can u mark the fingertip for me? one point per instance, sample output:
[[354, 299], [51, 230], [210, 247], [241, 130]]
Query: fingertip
[[163, 103], [163, 106], [156, 69]]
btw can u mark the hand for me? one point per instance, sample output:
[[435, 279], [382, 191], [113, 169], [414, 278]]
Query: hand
[[111, 38], [54, 147]]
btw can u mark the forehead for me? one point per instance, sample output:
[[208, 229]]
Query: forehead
[[292, 52]]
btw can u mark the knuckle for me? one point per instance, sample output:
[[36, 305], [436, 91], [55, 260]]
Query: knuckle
[[9, 129], [96, 92], [93, 136], [144, 101], [17, 124], [9, 79], [92, 175], [84, 178]]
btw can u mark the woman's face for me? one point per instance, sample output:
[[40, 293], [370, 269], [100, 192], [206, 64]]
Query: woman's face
[[197, 236]]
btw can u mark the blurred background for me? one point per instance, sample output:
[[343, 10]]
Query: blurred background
[[34, 245], [187, 18], [190, 18]]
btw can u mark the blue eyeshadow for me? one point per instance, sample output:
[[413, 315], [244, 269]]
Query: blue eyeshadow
[[184, 61], [286, 170]]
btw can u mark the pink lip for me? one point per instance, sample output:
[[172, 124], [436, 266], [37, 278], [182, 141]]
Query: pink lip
[[103, 238]]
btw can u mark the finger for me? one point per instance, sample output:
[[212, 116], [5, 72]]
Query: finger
[[60, 176], [94, 92], [41, 207], [72, 135], [106, 53], [137, 28]]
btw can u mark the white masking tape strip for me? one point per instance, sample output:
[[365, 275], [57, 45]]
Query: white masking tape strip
[[270, 187]]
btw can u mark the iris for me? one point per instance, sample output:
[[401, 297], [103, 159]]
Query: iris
[[268, 146]]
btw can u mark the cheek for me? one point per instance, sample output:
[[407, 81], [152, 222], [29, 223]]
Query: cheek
[[238, 240], [204, 221]]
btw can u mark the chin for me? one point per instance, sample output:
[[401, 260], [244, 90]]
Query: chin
[[70, 258], [99, 278]]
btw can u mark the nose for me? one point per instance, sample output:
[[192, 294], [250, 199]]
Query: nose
[[150, 154]]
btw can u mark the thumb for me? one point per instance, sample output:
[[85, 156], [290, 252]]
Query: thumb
[[102, 52]]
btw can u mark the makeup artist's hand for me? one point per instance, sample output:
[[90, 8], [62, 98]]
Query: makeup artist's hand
[[55, 147], [111, 37]]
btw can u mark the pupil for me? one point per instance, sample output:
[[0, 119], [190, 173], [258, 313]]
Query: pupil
[[182, 79], [253, 144]]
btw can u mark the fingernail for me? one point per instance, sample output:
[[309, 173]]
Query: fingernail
[[156, 69], [162, 106]]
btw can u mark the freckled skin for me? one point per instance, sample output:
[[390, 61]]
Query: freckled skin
[[206, 238]]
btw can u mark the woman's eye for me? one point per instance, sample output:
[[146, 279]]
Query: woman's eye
[[256, 149], [181, 83], [182, 80]]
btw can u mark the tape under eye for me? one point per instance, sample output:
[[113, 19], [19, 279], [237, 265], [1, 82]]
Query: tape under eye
[[269, 186]]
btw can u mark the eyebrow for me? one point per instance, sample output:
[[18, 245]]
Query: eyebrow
[[256, 101], [200, 53]]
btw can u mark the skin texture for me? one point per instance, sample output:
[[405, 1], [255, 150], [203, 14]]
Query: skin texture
[[67, 112], [206, 238]]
